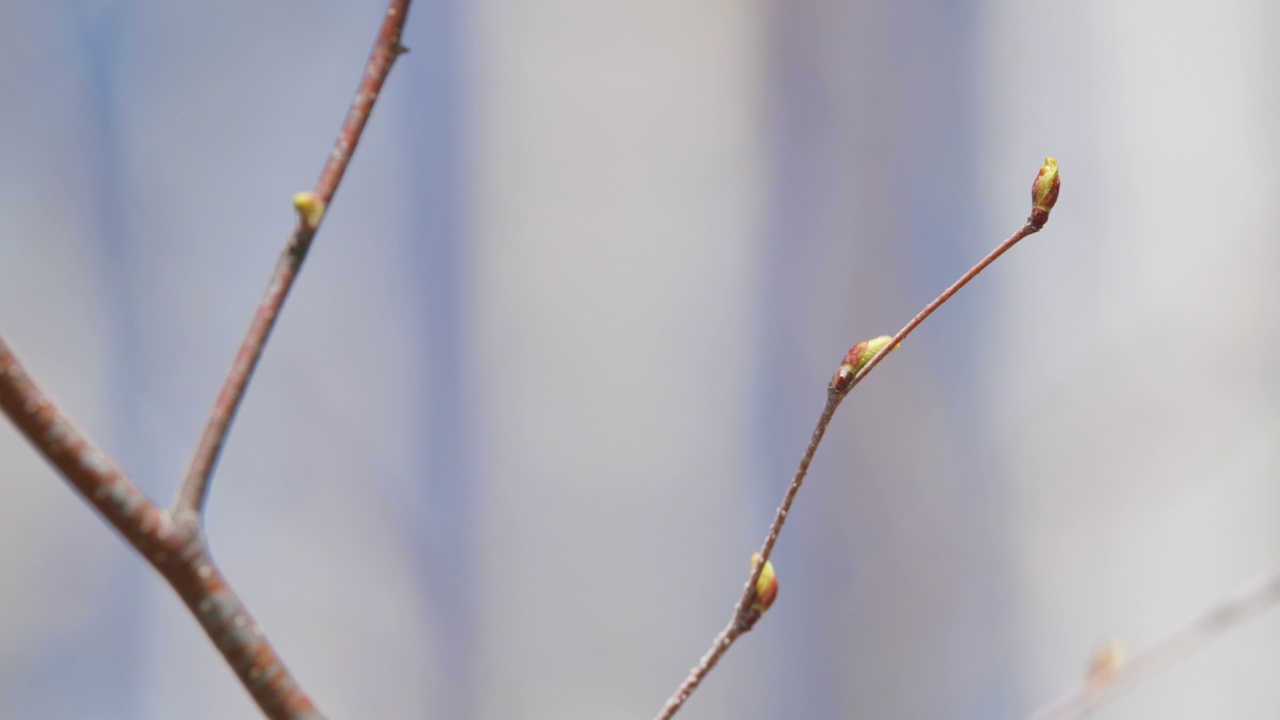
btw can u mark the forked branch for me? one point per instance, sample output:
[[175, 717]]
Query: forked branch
[[178, 553], [858, 363], [172, 540]]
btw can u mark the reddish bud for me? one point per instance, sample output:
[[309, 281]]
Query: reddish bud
[[1107, 659], [1044, 193], [857, 357], [766, 586], [766, 593]]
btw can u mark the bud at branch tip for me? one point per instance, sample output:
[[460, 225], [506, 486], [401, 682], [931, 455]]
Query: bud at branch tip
[[1044, 193]]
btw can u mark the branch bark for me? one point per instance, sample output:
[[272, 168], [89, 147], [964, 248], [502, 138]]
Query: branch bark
[[189, 504], [856, 366], [176, 551], [173, 541]]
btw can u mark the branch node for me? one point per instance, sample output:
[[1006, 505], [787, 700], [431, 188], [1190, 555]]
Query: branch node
[[856, 359], [310, 208], [766, 591]]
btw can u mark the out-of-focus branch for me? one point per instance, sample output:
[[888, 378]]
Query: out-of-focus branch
[[311, 208], [177, 551], [1109, 673], [858, 363], [172, 540]]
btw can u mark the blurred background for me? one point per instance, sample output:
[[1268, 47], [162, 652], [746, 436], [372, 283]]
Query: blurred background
[[570, 320]]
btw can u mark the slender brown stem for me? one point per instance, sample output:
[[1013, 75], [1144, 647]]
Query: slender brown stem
[[706, 663], [742, 621], [1246, 602], [189, 503], [739, 622], [1027, 229], [176, 550]]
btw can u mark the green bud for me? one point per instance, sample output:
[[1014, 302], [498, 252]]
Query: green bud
[[857, 358], [310, 207], [1044, 192]]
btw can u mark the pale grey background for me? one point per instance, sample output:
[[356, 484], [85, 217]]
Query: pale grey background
[[567, 326]]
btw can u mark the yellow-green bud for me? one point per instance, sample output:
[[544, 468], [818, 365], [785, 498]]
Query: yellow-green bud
[[766, 585], [310, 207], [766, 591], [1044, 192], [857, 358]]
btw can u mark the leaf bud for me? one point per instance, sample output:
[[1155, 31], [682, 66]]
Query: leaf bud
[[1044, 193], [766, 591], [857, 358], [310, 208]]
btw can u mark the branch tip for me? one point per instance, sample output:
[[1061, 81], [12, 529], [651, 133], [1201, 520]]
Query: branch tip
[[1044, 193], [858, 363]]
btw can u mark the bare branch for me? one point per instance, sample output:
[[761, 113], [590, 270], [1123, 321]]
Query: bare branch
[[856, 366], [172, 541], [1102, 683], [177, 551], [189, 503]]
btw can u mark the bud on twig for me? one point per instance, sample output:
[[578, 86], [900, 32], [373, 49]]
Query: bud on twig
[[1106, 662], [1044, 193], [766, 592], [857, 357], [310, 208]]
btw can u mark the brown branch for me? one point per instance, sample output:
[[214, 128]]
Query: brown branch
[[1044, 193], [176, 550], [189, 503], [172, 540], [1106, 679]]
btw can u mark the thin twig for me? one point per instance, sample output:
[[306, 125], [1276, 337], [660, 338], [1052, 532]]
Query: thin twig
[[740, 622], [1044, 194], [1246, 602], [189, 503], [177, 551], [1014, 239]]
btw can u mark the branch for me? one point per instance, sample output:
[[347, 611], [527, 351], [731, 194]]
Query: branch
[[189, 504], [858, 363], [172, 540], [176, 551], [1109, 673]]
